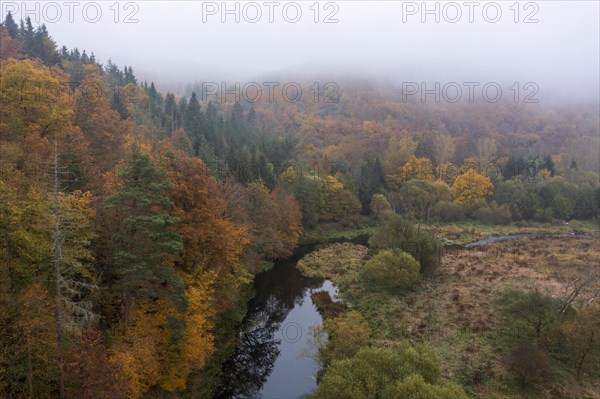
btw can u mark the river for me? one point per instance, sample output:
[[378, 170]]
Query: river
[[270, 360]]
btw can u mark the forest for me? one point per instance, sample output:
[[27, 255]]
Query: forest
[[133, 223]]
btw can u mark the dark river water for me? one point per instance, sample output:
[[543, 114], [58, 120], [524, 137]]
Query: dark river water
[[270, 361]]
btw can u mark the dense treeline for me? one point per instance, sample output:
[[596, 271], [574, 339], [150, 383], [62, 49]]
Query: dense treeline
[[120, 249], [132, 221]]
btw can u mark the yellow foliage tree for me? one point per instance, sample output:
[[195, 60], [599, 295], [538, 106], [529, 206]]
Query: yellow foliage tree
[[289, 175], [471, 188], [417, 169], [34, 99], [399, 151], [190, 353], [198, 338], [137, 351], [339, 202], [333, 184]]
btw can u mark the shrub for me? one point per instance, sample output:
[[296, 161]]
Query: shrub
[[532, 313], [363, 376], [375, 372], [447, 211], [529, 365], [586, 205], [391, 269], [562, 208], [475, 368], [415, 387], [526, 205], [493, 214], [576, 341], [347, 333], [396, 233], [381, 207]]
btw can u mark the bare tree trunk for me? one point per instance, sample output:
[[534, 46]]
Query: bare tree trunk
[[59, 332]]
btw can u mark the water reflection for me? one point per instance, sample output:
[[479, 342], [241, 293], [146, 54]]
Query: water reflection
[[268, 362]]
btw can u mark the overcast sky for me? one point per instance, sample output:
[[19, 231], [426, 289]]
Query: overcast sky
[[181, 41]]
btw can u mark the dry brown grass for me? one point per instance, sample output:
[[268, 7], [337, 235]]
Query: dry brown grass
[[456, 309], [471, 279]]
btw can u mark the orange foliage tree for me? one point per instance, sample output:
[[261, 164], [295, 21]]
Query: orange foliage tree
[[471, 188]]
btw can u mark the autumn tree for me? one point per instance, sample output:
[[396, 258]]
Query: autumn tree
[[9, 47], [443, 146], [418, 197], [471, 188], [89, 372], [274, 220], [198, 333], [211, 241], [340, 203], [24, 234], [398, 152], [137, 351], [414, 169], [486, 154], [288, 220], [182, 142], [34, 100]]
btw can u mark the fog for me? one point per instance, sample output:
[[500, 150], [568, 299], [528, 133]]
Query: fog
[[554, 44]]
